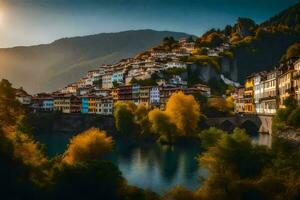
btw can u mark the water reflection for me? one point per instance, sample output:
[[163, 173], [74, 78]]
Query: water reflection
[[262, 139], [158, 168], [151, 166]]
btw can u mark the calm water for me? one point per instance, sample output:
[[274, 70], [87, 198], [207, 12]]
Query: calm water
[[154, 167]]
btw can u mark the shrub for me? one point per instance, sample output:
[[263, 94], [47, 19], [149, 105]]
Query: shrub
[[124, 118], [294, 118], [210, 137], [89, 145]]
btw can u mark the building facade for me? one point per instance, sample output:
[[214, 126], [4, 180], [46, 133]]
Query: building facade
[[269, 97], [155, 96], [249, 95]]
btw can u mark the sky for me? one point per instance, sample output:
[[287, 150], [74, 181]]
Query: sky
[[30, 22]]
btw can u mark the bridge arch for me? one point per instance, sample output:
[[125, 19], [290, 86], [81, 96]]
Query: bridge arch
[[251, 127], [227, 125]]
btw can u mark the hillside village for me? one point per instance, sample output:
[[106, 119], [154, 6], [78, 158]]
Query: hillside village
[[128, 80], [152, 76]]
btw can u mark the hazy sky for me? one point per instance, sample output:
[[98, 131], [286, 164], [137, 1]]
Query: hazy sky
[[28, 22]]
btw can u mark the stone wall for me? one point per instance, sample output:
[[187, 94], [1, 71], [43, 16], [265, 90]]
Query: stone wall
[[52, 122]]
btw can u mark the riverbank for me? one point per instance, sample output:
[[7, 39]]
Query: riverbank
[[59, 122], [293, 135]]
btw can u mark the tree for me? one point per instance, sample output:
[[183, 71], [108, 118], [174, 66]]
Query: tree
[[10, 108], [294, 118], [91, 180], [290, 102], [124, 118], [210, 137], [228, 30], [293, 51], [211, 39], [184, 112], [89, 145], [232, 162], [180, 193], [142, 119], [161, 124]]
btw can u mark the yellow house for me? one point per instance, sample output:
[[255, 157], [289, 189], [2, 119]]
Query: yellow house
[[92, 104], [145, 95], [249, 95], [285, 83]]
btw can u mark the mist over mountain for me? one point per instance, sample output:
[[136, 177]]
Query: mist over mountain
[[48, 67]]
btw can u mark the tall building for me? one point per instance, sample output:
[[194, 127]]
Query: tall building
[[249, 95], [258, 91], [136, 93], [107, 81], [154, 96], [269, 95], [285, 81], [145, 95], [296, 80], [239, 104]]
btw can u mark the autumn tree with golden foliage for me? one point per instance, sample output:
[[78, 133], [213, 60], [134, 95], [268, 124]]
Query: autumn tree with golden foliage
[[184, 112], [89, 145], [162, 124]]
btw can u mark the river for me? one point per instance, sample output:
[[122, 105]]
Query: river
[[152, 166]]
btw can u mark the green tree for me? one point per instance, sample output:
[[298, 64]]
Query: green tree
[[293, 51], [231, 163], [91, 180], [210, 137], [180, 193], [124, 118], [142, 119], [10, 108], [161, 124], [294, 118]]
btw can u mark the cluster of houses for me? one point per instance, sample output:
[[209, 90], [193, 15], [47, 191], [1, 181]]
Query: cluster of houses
[[265, 92], [102, 102], [100, 89], [139, 68]]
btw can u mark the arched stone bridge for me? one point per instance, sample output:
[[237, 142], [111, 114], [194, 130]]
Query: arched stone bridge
[[252, 123]]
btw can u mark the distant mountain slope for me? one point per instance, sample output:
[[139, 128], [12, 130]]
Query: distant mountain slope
[[50, 66]]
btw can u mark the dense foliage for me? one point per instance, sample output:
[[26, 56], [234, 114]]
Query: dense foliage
[[180, 118], [288, 117], [239, 169], [80, 173]]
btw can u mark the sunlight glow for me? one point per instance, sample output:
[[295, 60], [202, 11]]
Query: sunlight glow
[[1, 19]]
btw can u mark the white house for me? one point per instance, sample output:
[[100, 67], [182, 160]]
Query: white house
[[118, 77], [175, 64], [154, 96], [24, 99], [104, 106], [258, 92], [107, 81]]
